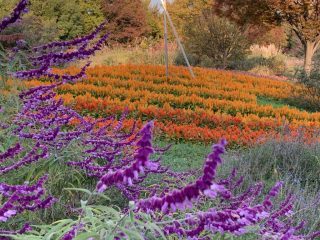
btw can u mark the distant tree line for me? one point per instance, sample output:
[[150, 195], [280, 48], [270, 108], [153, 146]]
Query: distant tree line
[[285, 23], [47, 20]]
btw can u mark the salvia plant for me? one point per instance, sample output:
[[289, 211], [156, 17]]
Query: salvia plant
[[44, 127]]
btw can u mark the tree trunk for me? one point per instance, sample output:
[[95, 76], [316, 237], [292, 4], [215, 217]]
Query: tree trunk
[[310, 49]]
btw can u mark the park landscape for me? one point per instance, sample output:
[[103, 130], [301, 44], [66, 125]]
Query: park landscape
[[100, 140]]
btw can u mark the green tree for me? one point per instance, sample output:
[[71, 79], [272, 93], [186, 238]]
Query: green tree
[[214, 41], [72, 17], [56, 19], [6, 7], [302, 16]]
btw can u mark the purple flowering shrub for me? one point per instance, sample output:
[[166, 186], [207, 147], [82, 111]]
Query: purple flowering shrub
[[16, 199], [44, 131]]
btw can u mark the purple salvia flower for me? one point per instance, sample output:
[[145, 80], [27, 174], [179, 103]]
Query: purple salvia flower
[[24, 229], [140, 164], [30, 157], [15, 15], [11, 152], [314, 235], [73, 42], [17, 199], [182, 199], [73, 232]]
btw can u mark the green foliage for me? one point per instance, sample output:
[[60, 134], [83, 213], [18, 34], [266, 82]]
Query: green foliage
[[50, 20], [10, 63], [268, 101], [308, 96], [72, 18], [100, 222], [275, 65], [6, 7], [215, 42]]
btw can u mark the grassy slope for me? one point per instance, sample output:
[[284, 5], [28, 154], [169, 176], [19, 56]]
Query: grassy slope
[[296, 164]]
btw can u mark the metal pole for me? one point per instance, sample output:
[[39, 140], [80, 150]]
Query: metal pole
[[177, 38], [166, 40]]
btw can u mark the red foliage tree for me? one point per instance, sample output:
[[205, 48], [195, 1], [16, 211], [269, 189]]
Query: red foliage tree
[[127, 19]]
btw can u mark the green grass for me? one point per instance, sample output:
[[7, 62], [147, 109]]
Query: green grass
[[276, 103], [295, 163], [184, 156]]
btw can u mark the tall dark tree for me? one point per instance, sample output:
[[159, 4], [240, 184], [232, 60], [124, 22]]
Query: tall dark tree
[[127, 19]]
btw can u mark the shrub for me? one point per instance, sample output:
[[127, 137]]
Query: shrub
[[215, 42], [262, 70], [308, 96], [264, 61]]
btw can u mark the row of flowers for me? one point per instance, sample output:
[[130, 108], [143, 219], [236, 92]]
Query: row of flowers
[[219, 104], [179, 80], [146, 98]]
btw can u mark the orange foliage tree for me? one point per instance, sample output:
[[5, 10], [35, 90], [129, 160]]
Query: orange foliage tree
[[303, 17]]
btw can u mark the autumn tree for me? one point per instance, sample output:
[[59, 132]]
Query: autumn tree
[[184, 12], [303, 17], [127, 19]]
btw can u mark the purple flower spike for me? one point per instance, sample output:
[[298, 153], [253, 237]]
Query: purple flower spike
[[139, 166], [11, 152], [15, 15], [24, 229], [19, 198], [73, 42], [52, 57], [38, 152], [73, 232], [182, 199]]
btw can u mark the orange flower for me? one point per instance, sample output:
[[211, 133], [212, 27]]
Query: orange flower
[[214, 104]]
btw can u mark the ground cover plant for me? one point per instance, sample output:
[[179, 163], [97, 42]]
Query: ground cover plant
[[215, 104], [42, 137]]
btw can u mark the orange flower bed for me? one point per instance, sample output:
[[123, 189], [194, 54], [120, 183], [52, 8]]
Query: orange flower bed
[[214, 104]]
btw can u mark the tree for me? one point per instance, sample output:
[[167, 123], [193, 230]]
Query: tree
[[55, 19], [302, 16], [183, 12], [215, 41], [127, 19], [72, 18], [6, 6]]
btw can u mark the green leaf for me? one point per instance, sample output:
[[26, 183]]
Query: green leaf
[[85, 236], [59, 228], [78, 190]]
